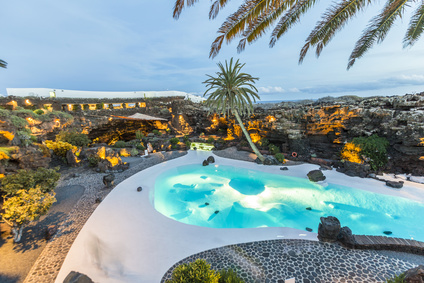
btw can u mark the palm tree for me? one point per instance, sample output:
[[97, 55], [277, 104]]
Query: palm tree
[[3, 64], [231, 90], [254, 17]]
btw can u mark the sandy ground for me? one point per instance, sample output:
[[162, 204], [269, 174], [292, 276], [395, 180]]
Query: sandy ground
[[16, 259]]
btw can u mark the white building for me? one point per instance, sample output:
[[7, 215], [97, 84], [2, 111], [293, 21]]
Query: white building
[[60, 93]]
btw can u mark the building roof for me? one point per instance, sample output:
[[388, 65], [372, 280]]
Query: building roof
[[139, 116]]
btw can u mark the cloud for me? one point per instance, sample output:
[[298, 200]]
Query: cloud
[[271, 89]]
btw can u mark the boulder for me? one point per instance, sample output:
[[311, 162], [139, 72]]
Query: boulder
[[415, 275], [346, 237], [354, 169], [284, 168], [205, 163], [316, 176], [30, 158], [328, 229], [394, 184], [271, 160], [76, 277], [258, 161], [108, 180], [72, 159], [211, 159], [51, 230]]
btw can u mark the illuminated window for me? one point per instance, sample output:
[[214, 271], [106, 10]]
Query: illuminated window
[[52, 94]]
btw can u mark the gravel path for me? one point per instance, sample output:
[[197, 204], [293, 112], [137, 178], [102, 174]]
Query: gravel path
[[48, 264]]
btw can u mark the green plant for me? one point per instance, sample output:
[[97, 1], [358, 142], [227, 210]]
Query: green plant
[[93, 160], [4, 113], [185, 139], [100, 106], [273, 149], [39, 111], [24, 207], [25, 137], [74, 138], [60, 148], [134, 152], [229, 276], [139, 135], [120, 144], [263, 142], [280, 157], [85, 107], [198, 271], [18, 122], [140, 147], [44, 178], [75, 107], [210, 140], [188, 144], [220, 140], [110, 106], [174, 141], [373, 148], [397, 279], [156, 132]]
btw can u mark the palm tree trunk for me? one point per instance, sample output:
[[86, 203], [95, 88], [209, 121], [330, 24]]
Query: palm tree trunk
[[246, 134]]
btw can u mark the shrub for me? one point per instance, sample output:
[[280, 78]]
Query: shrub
[[120, 144], [185, 139], [18, 122], [397, 279], [273, 149], [280, 157], [110, 106], [60, 148], [25, 137], [25, 207], [371, 149], [263, 142], [134, 152], [174, 141], [188, 144], [156, 132], [140, 147], [85, 107], [44, 178], [374, 148], [93, 160], [74, 138], [39, 111], [75, 107], [25, 113], [4, 113], [100, 106], [229, 276], [210, 140], [139, 135], [195, 272]]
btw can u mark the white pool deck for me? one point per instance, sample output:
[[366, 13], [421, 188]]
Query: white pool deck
[[127, 240]]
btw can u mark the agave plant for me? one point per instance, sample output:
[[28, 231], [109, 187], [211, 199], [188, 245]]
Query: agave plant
[[233, 91], [254, 18]]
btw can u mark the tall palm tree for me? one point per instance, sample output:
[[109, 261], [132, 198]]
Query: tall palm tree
[[254, 17], [233, 91], [3, 64]]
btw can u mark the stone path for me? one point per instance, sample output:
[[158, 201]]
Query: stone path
[[307, 261], [50, 261]]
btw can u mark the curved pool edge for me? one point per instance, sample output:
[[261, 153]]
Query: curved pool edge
[[127, 240]]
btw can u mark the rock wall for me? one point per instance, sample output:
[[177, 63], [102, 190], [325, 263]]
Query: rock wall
[[320, 128]]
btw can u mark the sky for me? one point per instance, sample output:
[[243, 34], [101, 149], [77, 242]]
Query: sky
[[131, 45]]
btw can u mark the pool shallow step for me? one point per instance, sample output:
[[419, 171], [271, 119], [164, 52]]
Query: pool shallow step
[[389, 243]]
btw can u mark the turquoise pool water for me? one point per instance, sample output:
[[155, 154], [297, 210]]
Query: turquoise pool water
[[229, 197]]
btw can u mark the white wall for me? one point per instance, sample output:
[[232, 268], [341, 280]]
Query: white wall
[[45, 92]]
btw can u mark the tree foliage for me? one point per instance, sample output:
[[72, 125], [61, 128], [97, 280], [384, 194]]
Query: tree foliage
[[45, 179], [254, 18], [24, 207], [74, 138], [232, 91]]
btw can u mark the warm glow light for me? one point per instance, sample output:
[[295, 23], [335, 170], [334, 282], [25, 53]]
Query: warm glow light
[[27, 102], [7, 135], [255, 137], [350, 152], [69, 107], [270, 118], [421, 142], [422, 158]]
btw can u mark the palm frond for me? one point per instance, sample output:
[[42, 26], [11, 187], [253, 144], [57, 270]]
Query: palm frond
[[3, 64], [179, 6], [216, 7], [236, 23], [416, 27], [290, 18], [377, 29], [261, 24], [334, 19]]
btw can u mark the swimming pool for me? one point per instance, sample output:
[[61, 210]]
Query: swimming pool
[[221, 196]]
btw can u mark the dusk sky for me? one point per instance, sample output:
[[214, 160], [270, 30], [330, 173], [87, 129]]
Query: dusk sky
[[136, 45]]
